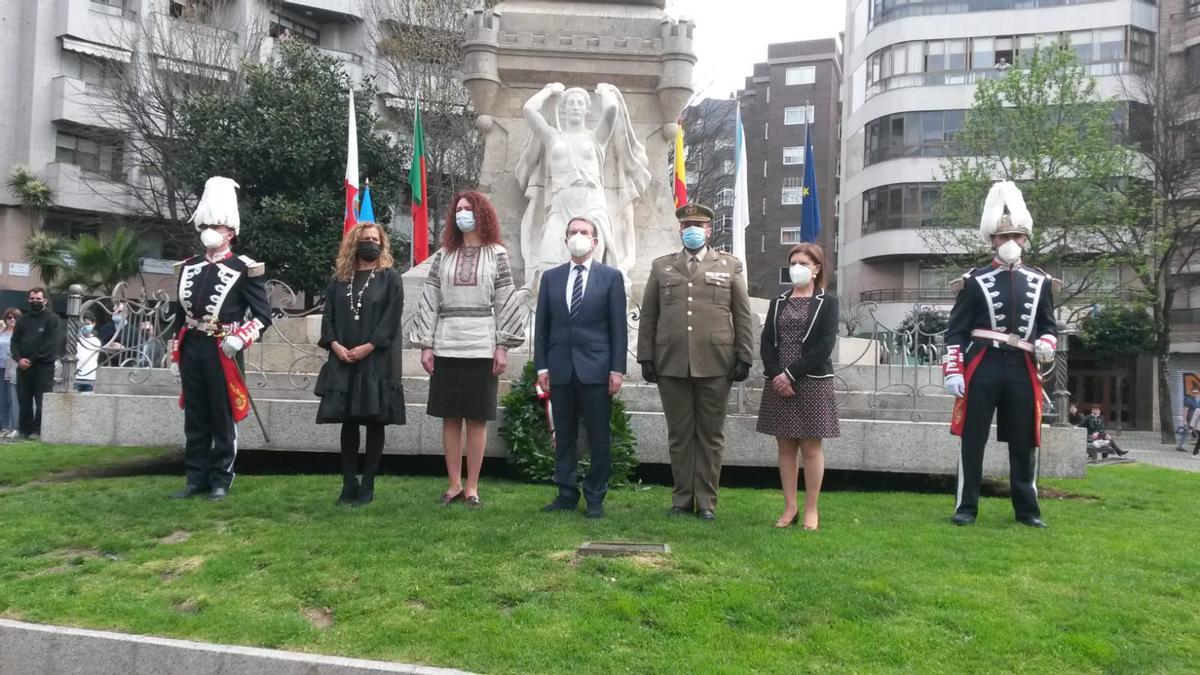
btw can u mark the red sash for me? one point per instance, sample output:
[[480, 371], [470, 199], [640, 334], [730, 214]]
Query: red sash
[[239, 395]]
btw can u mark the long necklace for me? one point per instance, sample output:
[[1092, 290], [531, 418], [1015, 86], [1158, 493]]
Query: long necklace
[[356, 303]]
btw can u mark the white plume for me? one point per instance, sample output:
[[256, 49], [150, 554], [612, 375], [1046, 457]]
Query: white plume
[[218, 205], [1004, 194]]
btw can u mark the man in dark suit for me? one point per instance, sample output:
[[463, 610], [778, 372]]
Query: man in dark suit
[[579, 352]]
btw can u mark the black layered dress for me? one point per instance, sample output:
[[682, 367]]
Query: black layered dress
[[369, 391]]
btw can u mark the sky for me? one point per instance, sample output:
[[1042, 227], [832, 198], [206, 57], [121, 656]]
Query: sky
[[732, 35]]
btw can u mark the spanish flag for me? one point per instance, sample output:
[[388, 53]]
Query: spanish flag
[[680, 171]]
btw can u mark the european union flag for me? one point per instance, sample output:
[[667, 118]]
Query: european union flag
[[810, 216]]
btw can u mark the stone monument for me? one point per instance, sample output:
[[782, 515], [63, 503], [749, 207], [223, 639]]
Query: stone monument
[[577, 102]]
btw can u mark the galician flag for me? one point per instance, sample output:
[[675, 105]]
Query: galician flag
[[420, 191], [680, 169], [348, 219], [810, 214], [741, 192]]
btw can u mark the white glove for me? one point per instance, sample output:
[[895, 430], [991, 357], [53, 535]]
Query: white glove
[[1044, 351], [232, 345], [956, 386]]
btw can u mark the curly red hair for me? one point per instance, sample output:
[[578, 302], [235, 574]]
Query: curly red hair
[[486, 222]]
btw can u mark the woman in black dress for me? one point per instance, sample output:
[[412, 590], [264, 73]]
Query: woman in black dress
[[798, 406], [360, 383]]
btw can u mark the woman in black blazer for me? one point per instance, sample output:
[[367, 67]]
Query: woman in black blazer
[[798, 406]]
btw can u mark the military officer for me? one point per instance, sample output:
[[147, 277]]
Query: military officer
[[694, 340], [1002, 325], [224, 306]]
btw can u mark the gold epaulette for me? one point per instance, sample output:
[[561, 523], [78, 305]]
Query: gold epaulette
[[253, 267]]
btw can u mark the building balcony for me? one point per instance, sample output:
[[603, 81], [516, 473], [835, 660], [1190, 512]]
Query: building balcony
[[112, 22], [919, 296], [80, 190], [351, 63], [898, 244], [183, 44], [77, 102], [327, 10]]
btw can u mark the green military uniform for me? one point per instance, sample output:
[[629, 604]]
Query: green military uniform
[[695, 326]]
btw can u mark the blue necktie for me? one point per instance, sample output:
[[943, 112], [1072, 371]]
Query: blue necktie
[[577, 291]]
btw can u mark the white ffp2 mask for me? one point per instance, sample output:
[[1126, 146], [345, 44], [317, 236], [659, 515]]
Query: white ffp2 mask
[[579, 245], [211, 238], [1009, 252], [800, 274]]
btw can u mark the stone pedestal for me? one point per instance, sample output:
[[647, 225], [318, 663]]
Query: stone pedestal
[[517, 47]]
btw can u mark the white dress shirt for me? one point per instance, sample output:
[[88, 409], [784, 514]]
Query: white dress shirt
[[587, 272]]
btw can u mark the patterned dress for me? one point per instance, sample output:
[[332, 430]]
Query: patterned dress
[[812, 412]]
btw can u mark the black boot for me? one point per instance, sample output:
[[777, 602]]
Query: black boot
[[366, 492], [349, 491]]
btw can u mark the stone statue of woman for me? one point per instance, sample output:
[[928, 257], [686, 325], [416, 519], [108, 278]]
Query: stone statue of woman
[[562, 169]]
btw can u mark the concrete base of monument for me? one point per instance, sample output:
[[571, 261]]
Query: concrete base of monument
[[865, 445]]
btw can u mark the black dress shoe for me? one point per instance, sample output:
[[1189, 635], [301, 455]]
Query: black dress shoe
[[963, 519], [706, 514], [349, 492], [560, 504], [1033, 522], [679, 511], [188, 491], [366, 495], [594, 511], [218, 493]]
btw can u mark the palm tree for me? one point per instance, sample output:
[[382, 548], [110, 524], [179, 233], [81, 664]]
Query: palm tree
[[44, 251], [101, 265], [35, 194]]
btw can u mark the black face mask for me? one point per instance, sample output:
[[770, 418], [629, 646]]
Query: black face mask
[[368, 251], [37, 305]]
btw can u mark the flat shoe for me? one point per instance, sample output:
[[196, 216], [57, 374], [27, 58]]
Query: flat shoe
[[447, 499], [781, 524], [473, 502]]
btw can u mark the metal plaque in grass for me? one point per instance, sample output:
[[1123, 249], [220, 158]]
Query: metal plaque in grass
[[619, 548]]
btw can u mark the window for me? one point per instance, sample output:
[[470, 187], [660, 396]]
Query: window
[[793, 154], [793, 190], [785, 276], [67, 226], [727, 166], [99, 72], [286, 27], [1090, 281], [799, 114], [192, 10], [765, 128], [935, 283], [928, 133], [901, 206], [725, 198], [789, 235], [800, 75], [99, 156], [1191, 64]]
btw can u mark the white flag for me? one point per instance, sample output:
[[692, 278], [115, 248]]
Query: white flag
[[741, 193]]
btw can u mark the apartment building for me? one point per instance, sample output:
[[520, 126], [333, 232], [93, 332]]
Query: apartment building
[[60, 59], [912, 67], [794, 92]]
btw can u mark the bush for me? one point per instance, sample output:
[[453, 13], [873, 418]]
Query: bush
[[527, 435]]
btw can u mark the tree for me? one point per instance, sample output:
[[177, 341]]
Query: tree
[[94, 264], [140, 102], [1166, 129], [1118, 334], [1044, 125], [708, 128], [35, 194], [418, 43], [282, 136]]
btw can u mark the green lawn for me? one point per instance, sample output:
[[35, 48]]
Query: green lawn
[[886, 585]]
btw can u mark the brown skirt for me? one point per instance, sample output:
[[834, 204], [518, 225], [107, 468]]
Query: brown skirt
[[462, 388]]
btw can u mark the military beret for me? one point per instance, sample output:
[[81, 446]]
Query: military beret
[[694, 212]]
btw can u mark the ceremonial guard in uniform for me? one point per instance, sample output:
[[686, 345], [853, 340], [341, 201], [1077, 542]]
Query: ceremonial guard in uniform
[[224, 306], [1002, 326], [695, 339]]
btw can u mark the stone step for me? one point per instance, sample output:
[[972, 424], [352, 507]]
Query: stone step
[[864, 445], [637, 396]]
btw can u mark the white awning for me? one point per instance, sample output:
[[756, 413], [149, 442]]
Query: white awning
[[99, 51]]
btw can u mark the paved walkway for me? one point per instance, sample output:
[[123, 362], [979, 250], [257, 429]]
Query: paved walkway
[[1161, 455]]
